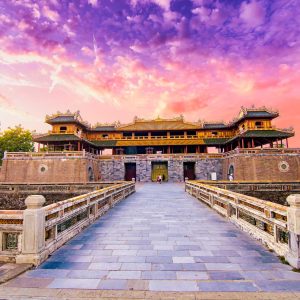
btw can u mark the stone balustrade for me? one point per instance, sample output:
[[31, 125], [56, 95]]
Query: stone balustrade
[[276, 226], [80, 154], [50, 188], [48, 155], [11, 233], [278, 151], [30, 236], [262, 185]]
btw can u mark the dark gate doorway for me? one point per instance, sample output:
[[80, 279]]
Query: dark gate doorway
[[159, 169], [130, 171], [189, 170]]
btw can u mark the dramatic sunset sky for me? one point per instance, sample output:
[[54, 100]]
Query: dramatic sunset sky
[[116, 59]]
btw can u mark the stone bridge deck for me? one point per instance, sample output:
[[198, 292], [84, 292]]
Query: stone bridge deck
[[162, 239]]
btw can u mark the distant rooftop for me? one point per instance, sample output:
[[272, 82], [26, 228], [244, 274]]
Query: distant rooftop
[[67, 117], [160, 124]]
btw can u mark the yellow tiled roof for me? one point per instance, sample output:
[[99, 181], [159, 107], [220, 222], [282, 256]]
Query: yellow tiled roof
[[159, 124]]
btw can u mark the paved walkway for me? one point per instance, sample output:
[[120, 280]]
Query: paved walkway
[[162, 239]]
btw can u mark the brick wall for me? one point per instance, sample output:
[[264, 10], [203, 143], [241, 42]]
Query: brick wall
[[48, 170], [285, 167], [275, 167]]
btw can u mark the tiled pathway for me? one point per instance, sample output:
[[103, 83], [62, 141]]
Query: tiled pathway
[[162, 239]]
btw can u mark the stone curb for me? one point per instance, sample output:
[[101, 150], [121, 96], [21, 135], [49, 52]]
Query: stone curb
[[11, 274], [53, 294]]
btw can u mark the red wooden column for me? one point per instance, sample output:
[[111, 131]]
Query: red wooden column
[[243, 143], [253, 145], [287, 143], [78, 146]]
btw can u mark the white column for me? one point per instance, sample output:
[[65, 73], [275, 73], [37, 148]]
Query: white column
[[33, 240], [293, 220]]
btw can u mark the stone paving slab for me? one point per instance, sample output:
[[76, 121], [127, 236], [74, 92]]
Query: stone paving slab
[[162, 239]]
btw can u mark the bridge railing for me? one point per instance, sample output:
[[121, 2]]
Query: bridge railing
[[48, 188], [254, 186], [273, 224], [30, 236], [11, 233]]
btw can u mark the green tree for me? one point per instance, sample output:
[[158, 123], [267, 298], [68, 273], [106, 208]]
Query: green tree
[[15, 139]]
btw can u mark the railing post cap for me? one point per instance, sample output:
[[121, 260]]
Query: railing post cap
[[35, 201], [294, 200]]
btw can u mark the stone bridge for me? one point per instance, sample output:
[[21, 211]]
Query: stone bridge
[[163, 239]]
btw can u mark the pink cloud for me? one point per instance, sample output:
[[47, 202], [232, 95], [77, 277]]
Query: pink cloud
[[252, 13], [50, 14], [196, 104], [93, 2]]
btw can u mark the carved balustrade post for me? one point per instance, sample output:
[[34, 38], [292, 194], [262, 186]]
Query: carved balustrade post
[[229, 209], [293, 220], [33, 242]]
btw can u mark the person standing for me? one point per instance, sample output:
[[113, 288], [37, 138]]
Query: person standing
[[159, 178]]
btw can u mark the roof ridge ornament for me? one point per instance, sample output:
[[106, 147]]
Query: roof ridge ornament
[[106, 124]]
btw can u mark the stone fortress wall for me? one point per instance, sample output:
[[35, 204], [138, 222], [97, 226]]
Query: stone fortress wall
[[255, 164], [114, 169], [44, 170], [258, 165]]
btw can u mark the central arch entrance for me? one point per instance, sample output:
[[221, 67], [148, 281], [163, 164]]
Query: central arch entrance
[[159, 168]]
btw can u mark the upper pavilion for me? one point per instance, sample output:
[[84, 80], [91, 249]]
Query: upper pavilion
[[252, 128]]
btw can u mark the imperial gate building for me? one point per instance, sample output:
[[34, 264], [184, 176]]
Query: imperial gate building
[[251, 129], [249, 147]]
